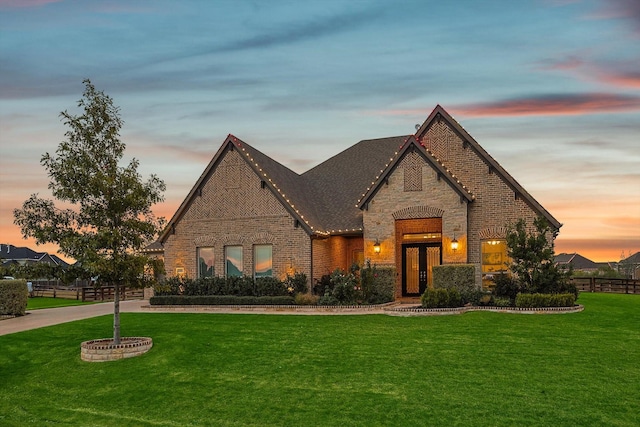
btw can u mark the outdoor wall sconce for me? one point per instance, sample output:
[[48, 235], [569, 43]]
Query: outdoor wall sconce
[[454, 243], [376, 247]]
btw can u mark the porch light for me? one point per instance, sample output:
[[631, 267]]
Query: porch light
[[454, 243], [376, 247]]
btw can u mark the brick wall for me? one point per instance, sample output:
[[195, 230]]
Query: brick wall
[[334, 252], [234, 209], [435, 199], [495, 203]]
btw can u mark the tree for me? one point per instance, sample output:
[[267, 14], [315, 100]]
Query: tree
[[532, 258], [110, 218]]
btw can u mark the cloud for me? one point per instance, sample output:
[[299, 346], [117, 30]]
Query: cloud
[[553, 105], [297, 32], [628, 10], [570, 62], [629, 79], [10, 4]]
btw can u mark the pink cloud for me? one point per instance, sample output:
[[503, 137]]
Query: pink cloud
[[553, 105], [629, 79]]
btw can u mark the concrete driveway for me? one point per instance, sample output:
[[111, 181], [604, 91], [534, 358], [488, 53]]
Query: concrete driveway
[[52, 316]]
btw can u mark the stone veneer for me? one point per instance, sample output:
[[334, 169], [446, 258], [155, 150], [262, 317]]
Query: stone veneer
[[103, 350], [436, 199]]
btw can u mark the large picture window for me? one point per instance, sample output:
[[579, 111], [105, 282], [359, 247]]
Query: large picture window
[[233, 261], [494, 260], [262, 261], [206, 262]]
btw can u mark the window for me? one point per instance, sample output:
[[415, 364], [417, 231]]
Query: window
[[494, 259], [233, 261], [262, 261], [206, 262]]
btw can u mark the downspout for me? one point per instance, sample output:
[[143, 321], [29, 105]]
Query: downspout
[[311, 264]]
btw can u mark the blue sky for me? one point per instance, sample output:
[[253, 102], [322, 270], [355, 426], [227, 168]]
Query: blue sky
[[551, 89]]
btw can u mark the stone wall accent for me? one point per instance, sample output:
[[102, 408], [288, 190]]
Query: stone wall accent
[[103, 350], [234, 210], [437, 199]]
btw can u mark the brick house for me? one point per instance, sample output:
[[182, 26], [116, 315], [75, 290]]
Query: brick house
[[411, 202]]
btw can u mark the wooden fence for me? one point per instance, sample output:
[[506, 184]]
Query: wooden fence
[[601, 284], [84, 293]]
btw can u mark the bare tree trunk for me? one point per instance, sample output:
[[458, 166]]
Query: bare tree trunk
[[116, 315]]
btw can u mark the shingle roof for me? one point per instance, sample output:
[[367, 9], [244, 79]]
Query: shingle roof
[[328, 198], [576, 260], [339, 182]]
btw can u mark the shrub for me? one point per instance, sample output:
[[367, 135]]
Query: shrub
[[13, 297], [378, 284], [170, 286], [328, 300], [345, 287], [532, 259], [545, 300], [323, 285], [306, 299], [459, 276], [296, 284], [270, 286], [506, 287], [441, 298], [220, 300], [502, 302]]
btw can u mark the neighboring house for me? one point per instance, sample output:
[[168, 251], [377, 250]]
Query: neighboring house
[[578, 262], [411, 202], [630, 266], [10, 254]]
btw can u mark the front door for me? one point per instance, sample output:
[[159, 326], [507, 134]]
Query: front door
[[417, 262]]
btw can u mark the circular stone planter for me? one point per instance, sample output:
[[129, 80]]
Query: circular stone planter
[[104, 350]]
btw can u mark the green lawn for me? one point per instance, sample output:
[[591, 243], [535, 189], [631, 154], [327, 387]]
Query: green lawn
[[480, 369], [46, 302]]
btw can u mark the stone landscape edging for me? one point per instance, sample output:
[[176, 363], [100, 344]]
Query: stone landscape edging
[[103, 350], [421, 311], [391, 309]]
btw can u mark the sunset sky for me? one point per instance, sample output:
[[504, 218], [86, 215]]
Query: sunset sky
[[551, 89]]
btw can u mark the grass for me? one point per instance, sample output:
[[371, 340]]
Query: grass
[[481, 369], [37, 303]]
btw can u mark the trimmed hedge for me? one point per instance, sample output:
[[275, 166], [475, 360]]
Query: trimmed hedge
[[219, 300], [545, 300], [459, 276], [13, 297], [441, 298]]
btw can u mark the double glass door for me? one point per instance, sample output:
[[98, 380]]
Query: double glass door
[[417, 261]]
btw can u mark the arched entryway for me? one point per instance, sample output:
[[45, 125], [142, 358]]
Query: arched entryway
[[418, 250]]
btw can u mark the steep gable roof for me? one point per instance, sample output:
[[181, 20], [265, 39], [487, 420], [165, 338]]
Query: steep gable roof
[[284, 183], [328, 199], [440, 113], [411, 144]]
